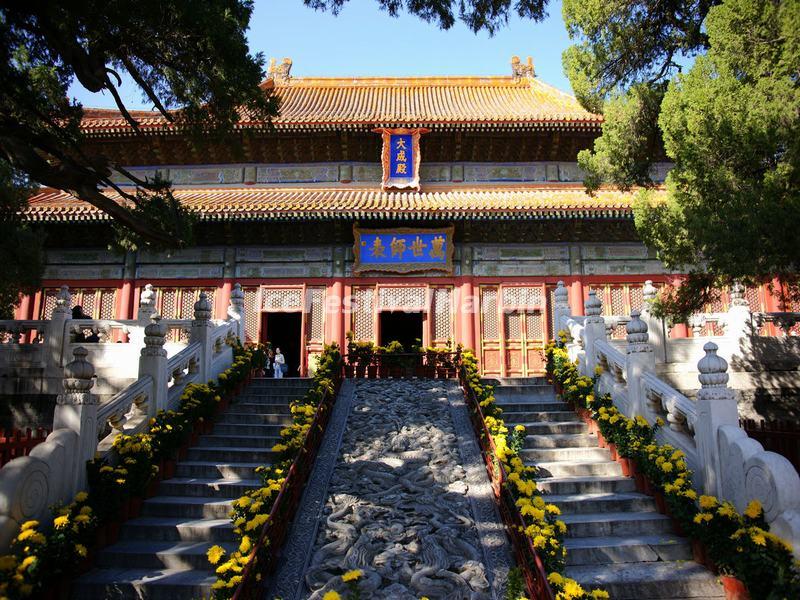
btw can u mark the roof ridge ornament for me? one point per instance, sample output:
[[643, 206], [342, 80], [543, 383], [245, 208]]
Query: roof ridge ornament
[[280, 73], [520, 70]]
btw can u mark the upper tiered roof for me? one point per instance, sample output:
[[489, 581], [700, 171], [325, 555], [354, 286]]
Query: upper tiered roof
[[516, 101]]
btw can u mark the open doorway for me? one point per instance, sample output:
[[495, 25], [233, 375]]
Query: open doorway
[[404, 327], [284, 330]]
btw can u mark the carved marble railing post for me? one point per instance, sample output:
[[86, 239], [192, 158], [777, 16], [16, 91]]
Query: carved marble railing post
[[153, 362], [655, 326], [716, 407], [639, 360], [202, 328], [594, 329], [76, 410], [738, 319], [236, 310], [561, 306], [146, 311], [56, 336]]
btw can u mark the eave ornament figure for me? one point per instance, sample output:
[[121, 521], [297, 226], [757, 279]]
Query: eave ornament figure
[[400, 158]]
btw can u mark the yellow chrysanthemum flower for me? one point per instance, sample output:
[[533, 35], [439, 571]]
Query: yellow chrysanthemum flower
[[754, 509], [352, 575], [215, 553], [331, 595]]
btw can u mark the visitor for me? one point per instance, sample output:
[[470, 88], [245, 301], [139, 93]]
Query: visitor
[[78, 314], [269, 364], [279, 364]]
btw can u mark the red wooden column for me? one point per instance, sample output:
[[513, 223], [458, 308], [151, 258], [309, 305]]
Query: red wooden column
[[465, 312], [334, 306], [126, 300], [224, 299], [576, 298], [23, 311]]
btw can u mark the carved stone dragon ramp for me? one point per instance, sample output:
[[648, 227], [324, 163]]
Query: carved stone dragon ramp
[[407, 502]]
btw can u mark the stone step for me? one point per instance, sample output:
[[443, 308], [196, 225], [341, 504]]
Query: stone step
[[232, 417], [264, 408], [532, 391], [268, 430], [561, 440], [259, 397], [208, 488], [526, 416], [593, 503], [214, 470], [512, 381], [284, 382], [586, 485], [176, 529], [545, 428], [237, 441], [136, 584], [543, 406], [536, 455], [138, 554], [651, 580], [188, 507], [578, 468], [581, 525], [238, 455], [629, 549]]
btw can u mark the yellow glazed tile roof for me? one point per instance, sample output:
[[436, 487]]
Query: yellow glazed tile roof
[[418, 101], [251, 203]]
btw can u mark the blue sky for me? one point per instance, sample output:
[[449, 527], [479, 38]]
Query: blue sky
[[364, 40]]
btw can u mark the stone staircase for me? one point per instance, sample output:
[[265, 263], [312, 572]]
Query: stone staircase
[[162, 554], [616, 539]]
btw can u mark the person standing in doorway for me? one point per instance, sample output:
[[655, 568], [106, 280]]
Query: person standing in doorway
[[278, 364]]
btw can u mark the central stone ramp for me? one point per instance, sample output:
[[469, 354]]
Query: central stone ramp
[[408, 501]]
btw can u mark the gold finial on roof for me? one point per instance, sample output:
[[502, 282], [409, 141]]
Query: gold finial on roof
[[520, 70], [280, 72]]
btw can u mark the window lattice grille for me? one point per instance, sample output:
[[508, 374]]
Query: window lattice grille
[[513, 326], [522, 297], [97, 303], [490, 329], [442, 314], [252, 314], [282, 298], [533, 326], [401, 298], [363, 323], [317, 316]]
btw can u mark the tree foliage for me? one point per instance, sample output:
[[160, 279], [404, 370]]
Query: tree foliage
[[478, 15], [730, 124], [189, 59]]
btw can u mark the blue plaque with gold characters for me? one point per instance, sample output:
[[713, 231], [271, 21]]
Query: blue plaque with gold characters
[[400, 158], [403, 250]]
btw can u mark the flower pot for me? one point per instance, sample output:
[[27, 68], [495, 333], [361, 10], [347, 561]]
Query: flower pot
[[208, 426], [734, 588], [152, 488], [698, 552], [372, 371], [639, 479], [612, 448], [348, 371], [135, 506], [112, 532], [101, 537], [395, 372], [660, 502], [169, 469], [625, 465], [420, 371], [124, 512], [601, 440], [430, 372], [647, 487], [383, 371], [361, 371], [441, 373]]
